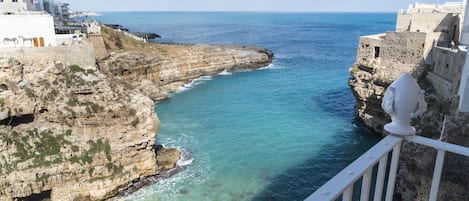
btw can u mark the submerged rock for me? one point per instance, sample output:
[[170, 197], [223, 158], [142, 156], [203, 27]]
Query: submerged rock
[[167, 158]]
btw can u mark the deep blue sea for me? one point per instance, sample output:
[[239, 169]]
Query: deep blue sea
[[273, 134]]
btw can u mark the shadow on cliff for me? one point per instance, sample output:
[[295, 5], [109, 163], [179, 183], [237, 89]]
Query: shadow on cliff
[[300, 181], [14, 121]]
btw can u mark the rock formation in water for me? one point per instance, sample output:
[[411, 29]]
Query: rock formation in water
[[74, 130], [158, 69]]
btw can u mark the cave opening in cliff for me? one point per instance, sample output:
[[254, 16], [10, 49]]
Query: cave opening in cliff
[[42, 196], [17, 120]]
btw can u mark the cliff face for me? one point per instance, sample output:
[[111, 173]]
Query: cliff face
[[67, 128], [74, 130], [380, 60], [156, 70]]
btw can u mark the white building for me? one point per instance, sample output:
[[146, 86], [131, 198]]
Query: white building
[[464, 45], [24, 24]]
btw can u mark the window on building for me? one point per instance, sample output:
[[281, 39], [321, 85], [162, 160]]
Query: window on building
[[15, 0], [376, 52], [447, 66], [455, 29]]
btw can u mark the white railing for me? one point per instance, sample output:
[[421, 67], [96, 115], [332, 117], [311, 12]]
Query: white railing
[[362, 170], [402, 100]]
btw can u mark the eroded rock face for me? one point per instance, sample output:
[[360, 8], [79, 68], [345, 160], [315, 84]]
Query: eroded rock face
[[74, 130], [68, 129], [368, 91], [162, 70]]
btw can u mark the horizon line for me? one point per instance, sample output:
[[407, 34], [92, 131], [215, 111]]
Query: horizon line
[[237, 11]]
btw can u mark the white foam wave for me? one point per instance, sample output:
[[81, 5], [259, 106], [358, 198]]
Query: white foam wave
[[166, 188], [244, 70], [181, 89], [225, 73], [186, 158], [203, 78], [266, 67], [193, 83]]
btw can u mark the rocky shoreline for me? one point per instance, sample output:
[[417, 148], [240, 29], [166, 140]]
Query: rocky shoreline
[[176, 159], [86, 128]]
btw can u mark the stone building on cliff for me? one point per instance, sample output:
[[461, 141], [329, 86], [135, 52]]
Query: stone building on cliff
[[428, 38]]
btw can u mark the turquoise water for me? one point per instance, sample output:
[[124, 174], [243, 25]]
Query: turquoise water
[[273, 134]]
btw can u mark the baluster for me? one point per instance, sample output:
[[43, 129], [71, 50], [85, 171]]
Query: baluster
[[380, 178], [440, 159], [393, 172], [365, 194], [347, 196]]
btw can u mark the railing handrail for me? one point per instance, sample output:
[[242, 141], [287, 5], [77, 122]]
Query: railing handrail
[[334, 187], [342, 183], [439, 145]]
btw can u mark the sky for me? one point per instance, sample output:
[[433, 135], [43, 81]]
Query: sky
[[245, 5]]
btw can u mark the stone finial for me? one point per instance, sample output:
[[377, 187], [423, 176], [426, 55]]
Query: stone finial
[[403, 100]]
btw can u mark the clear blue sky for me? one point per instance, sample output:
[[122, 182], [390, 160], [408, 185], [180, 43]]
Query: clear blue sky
[[244, 5]]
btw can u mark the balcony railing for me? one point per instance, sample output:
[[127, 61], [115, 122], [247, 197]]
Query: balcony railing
[[370, 177], [343, 183]]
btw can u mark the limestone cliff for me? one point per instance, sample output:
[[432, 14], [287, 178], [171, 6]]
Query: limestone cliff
[[380, 60], [68, 131], [158, 69], [74, 130]]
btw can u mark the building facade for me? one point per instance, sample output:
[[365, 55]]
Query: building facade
[[26, 25], [12, 7], [433, 36]]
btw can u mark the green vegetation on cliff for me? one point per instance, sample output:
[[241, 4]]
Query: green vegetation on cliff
[[45, 148]]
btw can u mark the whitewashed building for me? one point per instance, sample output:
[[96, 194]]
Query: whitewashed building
[[24, 24]]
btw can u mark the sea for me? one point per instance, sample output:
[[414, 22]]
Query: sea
[[277, 133]]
